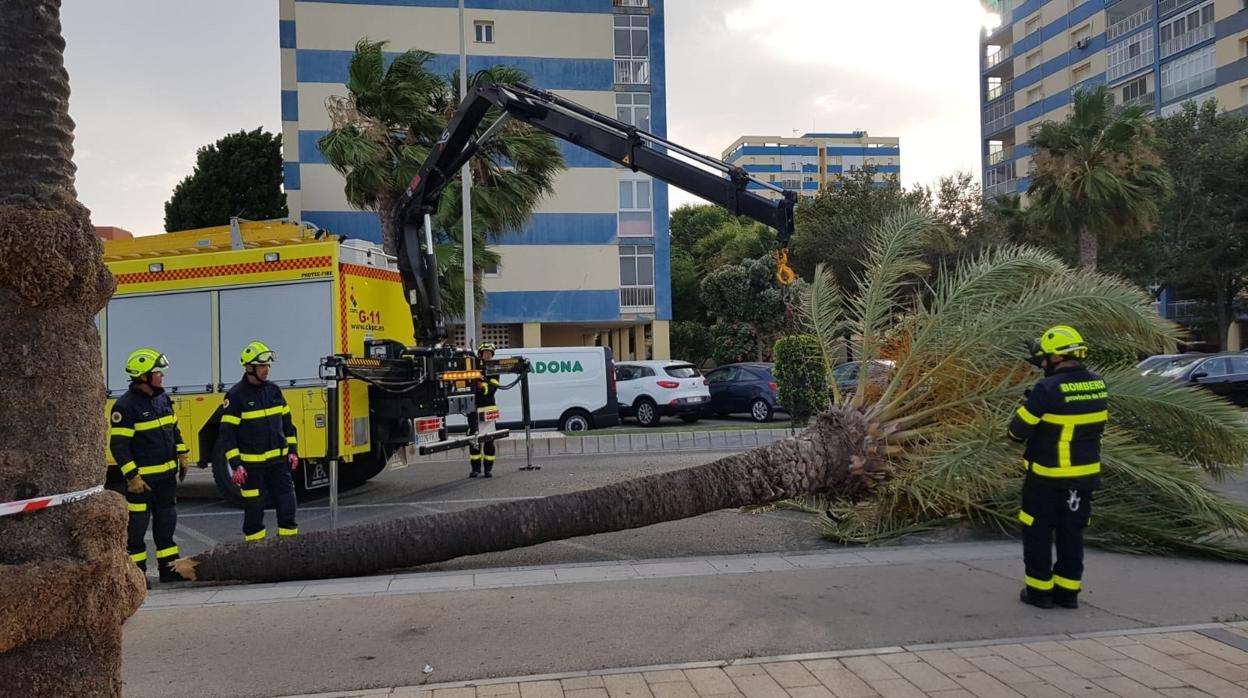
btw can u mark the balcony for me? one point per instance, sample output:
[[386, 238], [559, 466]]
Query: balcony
[[999, 119], [1006, 153], [632, 71], [1146, 100], [994, 59], [1168, 6], [995, 93], [1009, 186], [630, 3], [1187, 40], [1129, 24], [636, 299], [1130, 65]]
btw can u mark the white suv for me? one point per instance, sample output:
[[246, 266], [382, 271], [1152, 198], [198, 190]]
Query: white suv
[[651, 390]]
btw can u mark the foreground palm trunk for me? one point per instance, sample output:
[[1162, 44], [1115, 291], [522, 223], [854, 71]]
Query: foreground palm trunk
[[66, 584], [836, 454]]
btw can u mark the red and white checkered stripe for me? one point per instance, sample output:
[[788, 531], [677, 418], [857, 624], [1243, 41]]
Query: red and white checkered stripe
[[25, 505]]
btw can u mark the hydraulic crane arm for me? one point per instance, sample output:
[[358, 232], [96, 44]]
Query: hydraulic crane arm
[[713, 180]]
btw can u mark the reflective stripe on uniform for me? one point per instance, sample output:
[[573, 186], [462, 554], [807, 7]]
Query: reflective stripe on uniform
[[230, 419], [474, 456], [167, 552], [1026, 518], [489, 458], [136, 508], [121, 431], [1065, 470], [155, 423], [287, 531], [255, 536], [1025, 415], [291, 440], [270, 412], [248, 494], [128, 468], [1041, 584], [182, 448], [262, 457], [139, 557], [158, 469], [1068, 422], [232, 453], [1067, 584]]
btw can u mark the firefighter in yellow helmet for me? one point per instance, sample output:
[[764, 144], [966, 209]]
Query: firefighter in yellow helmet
[[1061, 422], [144, 439], [481, 456], [260, 444]]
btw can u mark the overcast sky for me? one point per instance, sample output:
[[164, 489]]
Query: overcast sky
[[152, 80]]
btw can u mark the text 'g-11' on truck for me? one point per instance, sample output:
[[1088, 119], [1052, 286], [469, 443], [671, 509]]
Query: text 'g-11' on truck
[[343, 316]]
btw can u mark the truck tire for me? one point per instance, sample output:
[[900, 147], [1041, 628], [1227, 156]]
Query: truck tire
[[647, 412], [576, 420]]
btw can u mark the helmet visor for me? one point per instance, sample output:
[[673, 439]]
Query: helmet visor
[[161, 363], [264, 357]]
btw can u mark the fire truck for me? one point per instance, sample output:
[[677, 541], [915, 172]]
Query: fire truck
[[362, 346]]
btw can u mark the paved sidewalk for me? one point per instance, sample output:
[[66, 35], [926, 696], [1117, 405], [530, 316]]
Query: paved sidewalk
[[1187, 662]]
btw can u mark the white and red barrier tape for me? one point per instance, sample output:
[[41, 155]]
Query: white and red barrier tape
[[25, 505]]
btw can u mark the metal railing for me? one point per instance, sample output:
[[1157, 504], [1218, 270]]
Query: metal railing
[[1131, 64], [1000, 115], [632, 71], [1189, 86], [1006, 153], [993, 59], [999, 124], [1129, 24], [1007, 187], [630, 3], [1168, 6], [1145, 100], [999, 91], [1187, 40], [636, 299]]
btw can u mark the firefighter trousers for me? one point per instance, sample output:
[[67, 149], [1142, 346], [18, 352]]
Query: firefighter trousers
[[480, 454], [160, 508], [1054, 517], [269, 483]]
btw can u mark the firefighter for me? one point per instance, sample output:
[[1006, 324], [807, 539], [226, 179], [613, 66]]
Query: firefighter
[[1061, 421], [260, 444], [480, 455], [144, 439]]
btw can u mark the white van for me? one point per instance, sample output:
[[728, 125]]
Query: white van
[[571, 388]]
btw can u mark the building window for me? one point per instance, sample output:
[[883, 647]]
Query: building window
[[636, 275], [484, 32], [490, 270], [632, 49], [631, 3], [1198, 100], [1187, 30], [1035, 94], [1129, 56], [1032, 60], [1188, 73], [1136, 92], [1033, 25], [1080, 73], [636, 208], [1081, 36], [633, 108]]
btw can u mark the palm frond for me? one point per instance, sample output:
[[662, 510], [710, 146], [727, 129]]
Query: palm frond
[[823, 312]]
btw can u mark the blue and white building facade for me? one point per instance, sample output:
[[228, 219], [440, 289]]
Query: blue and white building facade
[[1155, 53], [813, 161], [593, 265]]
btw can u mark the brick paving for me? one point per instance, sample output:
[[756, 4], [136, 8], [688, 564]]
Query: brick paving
[[1209, 660]]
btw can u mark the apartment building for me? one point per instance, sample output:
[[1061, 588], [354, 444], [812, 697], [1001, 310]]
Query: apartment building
[[813, 161]]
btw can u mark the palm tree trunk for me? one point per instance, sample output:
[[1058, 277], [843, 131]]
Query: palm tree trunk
[[829, 457], [386, 201], [1088, 248], [66, 583]]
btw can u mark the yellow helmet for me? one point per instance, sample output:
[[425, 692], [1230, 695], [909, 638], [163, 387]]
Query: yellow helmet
[[1063, 340], [257, 353], [143, 361]]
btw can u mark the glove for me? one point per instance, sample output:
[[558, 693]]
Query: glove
[[184, 467], [294, 461], [238, 475], [135, 485]]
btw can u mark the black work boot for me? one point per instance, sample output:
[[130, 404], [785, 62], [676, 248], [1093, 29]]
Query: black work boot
[[1035, 597], [474, 473], [1066, 598], [167, 575]]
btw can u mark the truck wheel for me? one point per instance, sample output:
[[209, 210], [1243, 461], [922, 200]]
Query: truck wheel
[[576, 420], [647, 412], [221, 476]]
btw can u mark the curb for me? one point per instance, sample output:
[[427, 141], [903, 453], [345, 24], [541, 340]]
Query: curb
[[661, 442]]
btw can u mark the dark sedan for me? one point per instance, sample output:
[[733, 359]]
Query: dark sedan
[[1225, 375], [748, 388]]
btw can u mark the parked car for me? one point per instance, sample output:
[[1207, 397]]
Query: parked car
[[1161, 362], [744, 388], [651, 390], [1224, 374], [846, 374]]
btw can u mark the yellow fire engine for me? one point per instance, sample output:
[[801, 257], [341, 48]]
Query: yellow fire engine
[[200, 296]]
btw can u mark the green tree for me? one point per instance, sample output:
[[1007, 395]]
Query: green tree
[[1203, 246], [733, 242], [749, 307], [832, 229], [686, 288], [924, 448], [802, 376], [1098, 176], [66, 583], [691, 341], [692, 222], [239, 175], [384, 129]]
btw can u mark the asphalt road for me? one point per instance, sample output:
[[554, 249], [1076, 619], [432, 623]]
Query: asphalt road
[[426, 488]]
